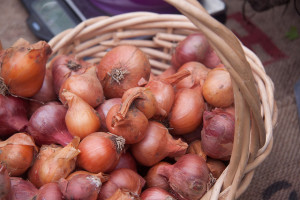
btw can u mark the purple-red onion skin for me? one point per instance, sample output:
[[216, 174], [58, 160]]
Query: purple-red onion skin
[[156, 193], [22, 189], [47, 125], [49, 191], [188, 177], [81, 186], [124, 179], [193, 48], [218, 134], [127, 161], [5, 185], [153, 179], [13, 115]]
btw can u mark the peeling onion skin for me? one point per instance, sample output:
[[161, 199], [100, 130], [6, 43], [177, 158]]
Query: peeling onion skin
[[218, 134]]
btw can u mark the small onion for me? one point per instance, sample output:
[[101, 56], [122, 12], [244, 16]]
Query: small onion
[[17, 153], [122, 68], [217, 88], [153, 179], [122, 179], [49, 191], [22, 189], [188, 177], [157, 145], [5, 185], [53, 163], [100, 152], [218, 134], [13, 115], [127, 161]]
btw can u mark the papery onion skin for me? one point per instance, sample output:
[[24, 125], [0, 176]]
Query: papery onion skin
[[49, 191], [22, 189], [13, 115], [47, 125], [187, 111], [100, 152], [153, 179], [103, 109], [211, 59], [53, 163], [17, 153], [132, 128], [217, 88], [216, 167], [86, 86], [5, 185], [157, 145], [188, 177], [81, 118], [81, 186], [64, 66], [103, 177], [122, 68], [23, 68], [155, 193], [218, 134], [123, 179], [122, 194], [196, 148]]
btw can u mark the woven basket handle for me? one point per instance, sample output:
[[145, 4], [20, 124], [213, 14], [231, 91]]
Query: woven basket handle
[[247, 101]]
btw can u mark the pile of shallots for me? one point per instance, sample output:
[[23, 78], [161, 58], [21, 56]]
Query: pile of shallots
[[113, 130]]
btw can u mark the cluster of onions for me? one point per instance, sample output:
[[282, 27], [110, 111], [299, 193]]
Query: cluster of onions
[[112, 130]]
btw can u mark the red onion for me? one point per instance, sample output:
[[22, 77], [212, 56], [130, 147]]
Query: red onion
[[21, 189], [47, 125], [49, 191], [13, 115], [126, 161], [103, 109], [63, 66], [155, 193], [123, 179], [153, 179], [5, 185], [193, 48], [211, 59], [188, 177], [81, 186], [217, 134]]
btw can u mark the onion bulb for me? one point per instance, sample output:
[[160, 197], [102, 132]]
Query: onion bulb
[[187, 111], [157, 145], [22, 189], [64, 66], [17, 153], [216, 167], [217, 88], [122, 68], [193, 48], [122, 179], [23, 69], [127, 161], [47, 125], [103, 177], [196, 148], [81, 119], [217, 135], [188, 177], [81, 186], [53, 163], [49, 191], [153, 179], [13, 115], [100, 152], [123, 194], [86, 86], [128, 122]]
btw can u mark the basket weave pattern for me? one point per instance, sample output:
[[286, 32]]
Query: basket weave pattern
[[157, 35]]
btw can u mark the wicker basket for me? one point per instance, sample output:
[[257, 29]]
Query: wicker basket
[[157, 35]]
